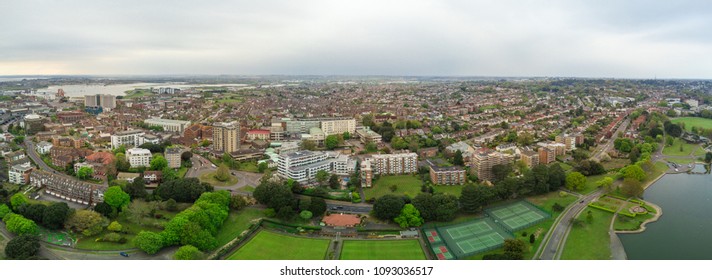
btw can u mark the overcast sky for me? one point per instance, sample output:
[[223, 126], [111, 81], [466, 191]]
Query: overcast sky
[[635, 39]]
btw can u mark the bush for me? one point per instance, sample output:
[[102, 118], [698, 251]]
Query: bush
[[115, 226], [270, 213], [111, 237], [188, 252], [557, 207], [149, 242]]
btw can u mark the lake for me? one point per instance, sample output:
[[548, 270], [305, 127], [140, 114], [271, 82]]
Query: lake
[[685, 228]]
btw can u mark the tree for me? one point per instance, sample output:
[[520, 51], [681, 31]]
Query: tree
[[633, 172], [33, 212], [590, 168], [237, 202], [322, 176], [447, 206], [182, 190], [116, 197], [4, 210], [158, 162], [85, 172], [104, 209], [136, 189], [474, 197], [223, 173], [589, 217], [371, 147], [346, 135], [307, 145], [631, 187], [541, 178], [331, 142], [186, 156], [388, 207], [86, 222], [605, 183], [122, 164], [457, 159], [708, 157], [501, 171], [55, 215], [514, 249], [17, 200], [532, 238], [575, 181], [149, 242], [409, 217], [317, 206], [425, 203], [306, 215], [334, 181], [20, 225], [262, 166], [285, 213], [557, 176], [23, 247], [188, 252], [273, 195]]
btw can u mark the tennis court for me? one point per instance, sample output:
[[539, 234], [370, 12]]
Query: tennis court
[[465, 239], [518, 215]]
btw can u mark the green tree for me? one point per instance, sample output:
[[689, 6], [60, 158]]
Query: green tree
[[158, 163], [631, 187], [557, 176], [262, 167], [634, 172], [307, 145], [223, 173], [331, 142], [122, 164], [86, 222], [116, 197], [115, 226], [334, 181], [388, 207], [188, 252], [306, 215], [85, 172], [183, 190], [20, 225], [23, 247], [104, 209], [474, 197], [367, 120], [136, 189], [605, 183], [708, 157], [17, 200], [589, 217], [273, 195], [285, 213], [149, 242], [409, 217], [501, 171], [4, 210], [55, 215], [317, 206], [322, 176], [237, 202], [346, 135], [457, 159], [575, 181], [532, 238], [371, 147], [514, 249]]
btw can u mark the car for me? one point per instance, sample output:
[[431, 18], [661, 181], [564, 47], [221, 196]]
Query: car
[[581, 201], [124, 254], [339, 207]]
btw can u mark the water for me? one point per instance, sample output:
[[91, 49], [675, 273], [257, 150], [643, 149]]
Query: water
[[119, 89], [685, 228]]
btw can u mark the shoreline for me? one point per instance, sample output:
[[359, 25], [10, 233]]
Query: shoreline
[[642, 228]]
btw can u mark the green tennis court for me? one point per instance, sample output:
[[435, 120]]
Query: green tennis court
[[518, 215]]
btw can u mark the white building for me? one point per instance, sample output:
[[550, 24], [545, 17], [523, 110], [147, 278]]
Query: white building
[[138, 157], [302, 166], [19, 174], [402, 163], [105, 101], [129, 139], [338, 126], [341, 164], [43, 147], [169, 125]]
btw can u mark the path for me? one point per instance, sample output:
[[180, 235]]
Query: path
[[617, 249]]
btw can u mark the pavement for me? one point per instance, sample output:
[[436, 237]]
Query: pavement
[[601, 150]]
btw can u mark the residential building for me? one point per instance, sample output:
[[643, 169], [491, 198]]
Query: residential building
[[16, 155], [400, 163], [338, 126], [366, 174], [128, 177], [173, 157], [71, 117], [19, 174], [546, 155], [138, 157], [226, 137], [451, 175], [428, 152], [128, 139], [483, 161], [150, 177], [177, 126], [341, 164], [148, 138], [67, 188], [569, 141], [43, 147], [530, 157], [316, 135], [258, 134], [94, 167], [63, 156], [302, 166], [106, 102], [367, 135]]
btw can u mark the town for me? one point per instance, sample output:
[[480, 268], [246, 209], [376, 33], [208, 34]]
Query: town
[[340, 167]]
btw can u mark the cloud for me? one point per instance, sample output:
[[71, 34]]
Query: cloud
[[633, 39]]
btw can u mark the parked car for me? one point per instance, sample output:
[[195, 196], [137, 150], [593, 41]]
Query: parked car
[[124, 254]]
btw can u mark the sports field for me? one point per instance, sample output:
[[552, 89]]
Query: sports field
[[267, 245], [382, 250], [518, 215], [693, 121], [465, 239]]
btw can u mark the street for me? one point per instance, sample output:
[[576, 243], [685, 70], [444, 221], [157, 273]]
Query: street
[[554, 246]]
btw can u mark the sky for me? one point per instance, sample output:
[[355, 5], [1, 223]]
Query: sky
[[604, 39]]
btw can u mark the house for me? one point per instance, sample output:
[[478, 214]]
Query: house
[[150, 177], [43, 147], [19, 174]]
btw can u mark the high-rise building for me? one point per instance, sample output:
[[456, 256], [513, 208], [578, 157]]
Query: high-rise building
[[530, 157], [169, 125], [450, 175], [329, 126], [104, 101], [302, 166], [138, 157], [172, 155], [483, 161], [401, 163], [129, 138], [366, 174], [568, 140], [226, 137]]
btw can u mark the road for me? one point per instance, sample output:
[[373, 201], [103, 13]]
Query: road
[[602, 149], [557, 236], [30, 150]]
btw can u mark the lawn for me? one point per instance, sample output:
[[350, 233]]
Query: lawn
[[137, 93], [267, 245], [660, 168], [591, 182], [627, 223], [182, 171], [382, 250], [693, 121], [92, 243], [209, 177], [615, 163], [453, 190], [236, 223], [248, 188], [674, 150], [589, 241], [406, 185], [249, 166], [546, 201]]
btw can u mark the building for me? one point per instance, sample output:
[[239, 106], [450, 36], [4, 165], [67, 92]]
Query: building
[[334, 126], [451, 175], [401, 163], [148, 138], [71, 117], [33, 123], [329, 126], [428, 152], [67, 188], [129, 138], [128, 177], [366, 174], [302, 166], [168, 125], [94, 167], [173, 157], [367, 135], [19, 174], [106, 102], [546, 155], [67, 141], [569, 141], [258, 134], [483, 161], [150, 177], [63, 156], [43, 147], [138, 157], [316, 135], [16, 155], [102, 162], [341, 164], [193, 132], [226, 137], [530, 157]]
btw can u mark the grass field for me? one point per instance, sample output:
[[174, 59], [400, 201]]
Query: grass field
[[627, 223], [407, 185], [91, 243], [267, 245], [382, 250], [660, 168], [236, 223], [591, 183], [694, 121], [453, 190], [209, 177], [137, 93], [249, 166], [589, 241], [674, 150], [615, 163]]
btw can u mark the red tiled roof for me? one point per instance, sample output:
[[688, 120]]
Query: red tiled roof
[[341, 220]]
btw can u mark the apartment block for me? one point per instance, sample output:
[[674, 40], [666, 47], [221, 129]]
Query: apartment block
[[138, 157], [129, 138], [226, 137], [366, 174], [401, 163], [483, 161], [451, 175], [172, 155], [176, 126]]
